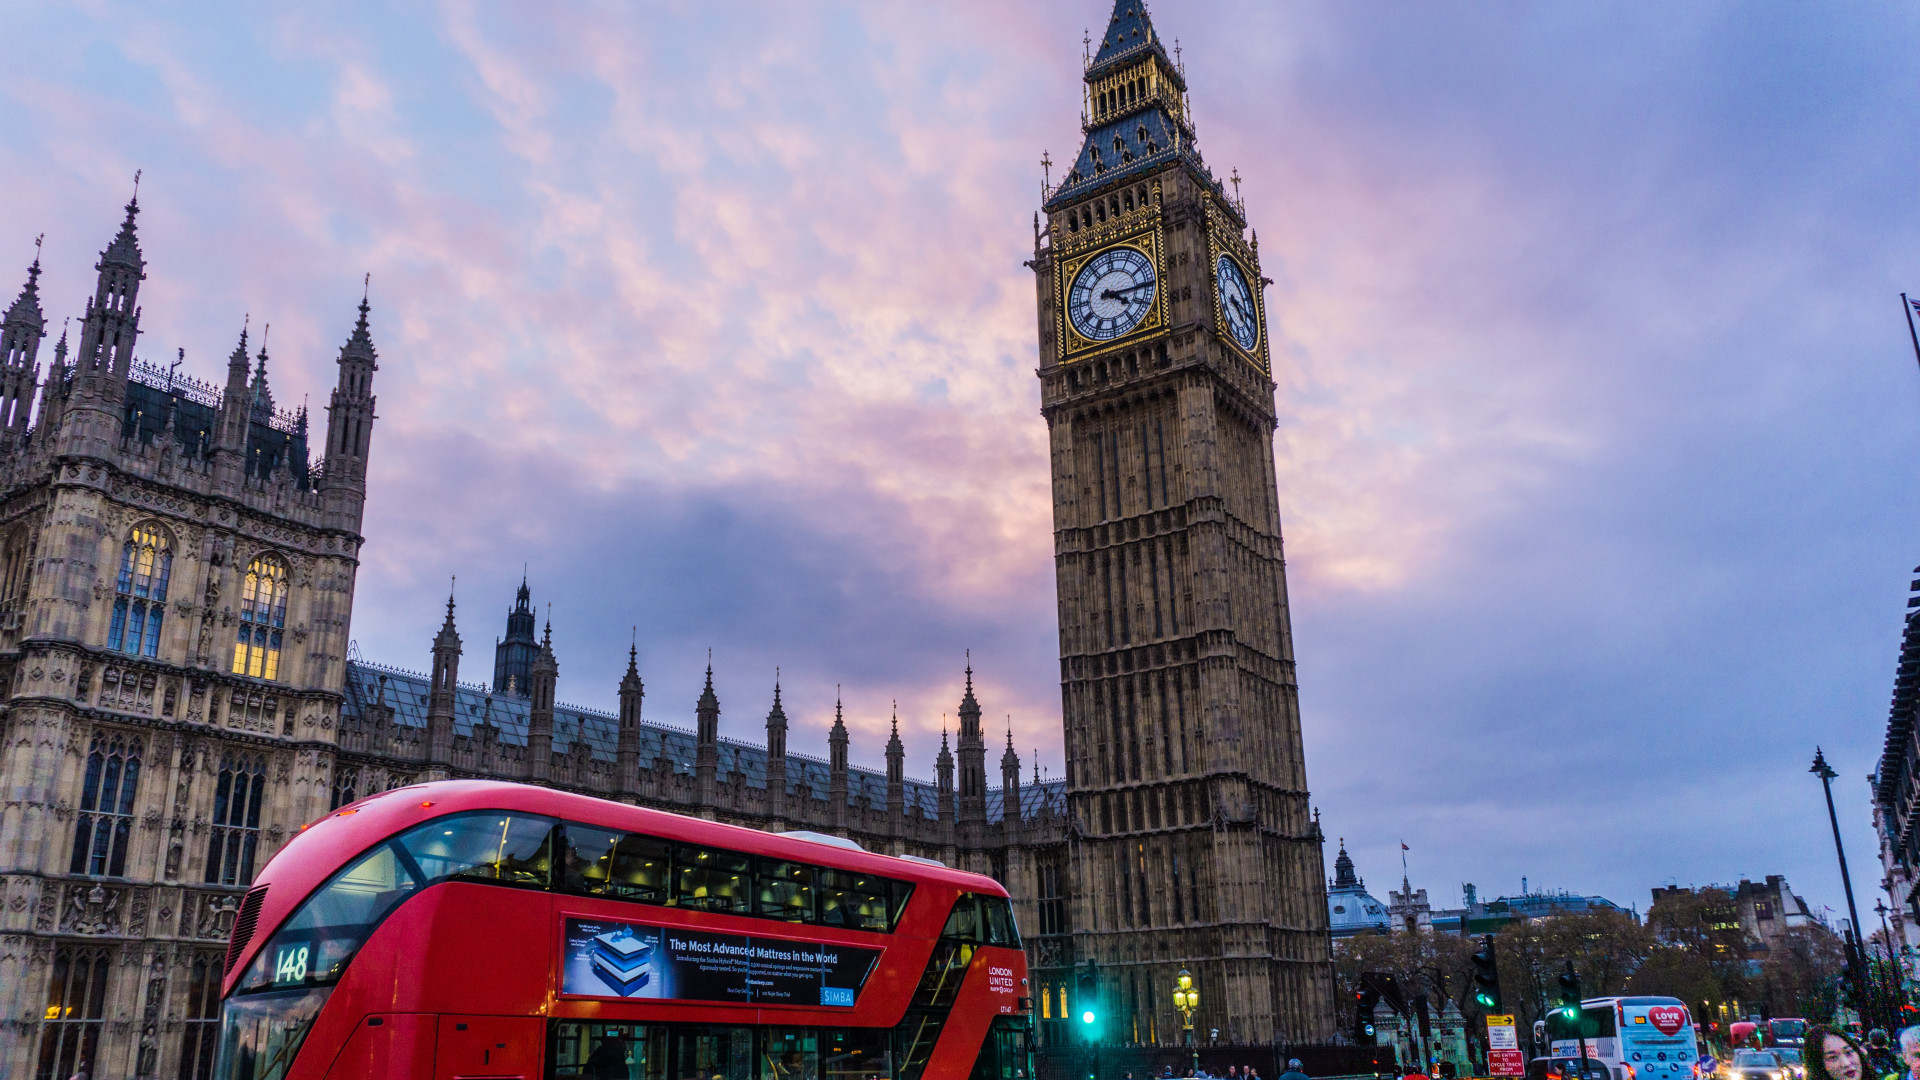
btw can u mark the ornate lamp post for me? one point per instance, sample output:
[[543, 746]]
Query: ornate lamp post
[[1187, 999], [1856, 953]]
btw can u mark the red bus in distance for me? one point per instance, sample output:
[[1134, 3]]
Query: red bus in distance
[[470, 928]]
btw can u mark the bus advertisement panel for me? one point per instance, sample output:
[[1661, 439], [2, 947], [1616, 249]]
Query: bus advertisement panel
[[607, 958]]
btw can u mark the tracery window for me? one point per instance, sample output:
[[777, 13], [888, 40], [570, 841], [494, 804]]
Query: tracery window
[[75, 1013], [106, 807], [202, 1019], [236, 820], [140, 600], [346, 785], [263, 618]]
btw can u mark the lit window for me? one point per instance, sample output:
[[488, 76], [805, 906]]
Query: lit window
[[263, 617], [140, 600], [76, 1011]]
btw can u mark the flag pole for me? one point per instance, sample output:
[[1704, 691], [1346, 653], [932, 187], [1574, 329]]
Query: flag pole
[[1907, 306]]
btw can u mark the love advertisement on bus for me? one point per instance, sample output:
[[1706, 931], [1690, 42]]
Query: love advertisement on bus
[[608, 959]]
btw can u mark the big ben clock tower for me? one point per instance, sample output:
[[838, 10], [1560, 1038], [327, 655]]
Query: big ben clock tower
[[1193, 842]]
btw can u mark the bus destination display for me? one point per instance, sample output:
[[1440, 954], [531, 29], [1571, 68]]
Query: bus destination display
[[606, 958]]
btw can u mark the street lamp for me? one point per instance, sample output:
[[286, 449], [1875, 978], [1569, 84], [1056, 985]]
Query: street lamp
[[1187, 999], [1855, 953]]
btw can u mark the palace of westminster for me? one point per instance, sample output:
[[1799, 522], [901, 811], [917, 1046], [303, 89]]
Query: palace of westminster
[[177, 569]]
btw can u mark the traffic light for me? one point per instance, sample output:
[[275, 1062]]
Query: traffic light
[[1570, 993], [1486, 977], [1088, 1002], [1364, 999]]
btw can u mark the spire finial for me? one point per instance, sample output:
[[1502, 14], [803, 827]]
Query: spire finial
[[546, 639], [896, 718], [366, 287], [453, 581], [33, 271]]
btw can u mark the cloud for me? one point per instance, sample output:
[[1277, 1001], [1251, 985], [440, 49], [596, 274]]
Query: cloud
[[1594, 419]]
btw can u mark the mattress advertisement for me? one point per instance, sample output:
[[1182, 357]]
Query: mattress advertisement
[[604, 958]]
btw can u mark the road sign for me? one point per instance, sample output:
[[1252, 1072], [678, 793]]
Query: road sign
[[1504, 1057]]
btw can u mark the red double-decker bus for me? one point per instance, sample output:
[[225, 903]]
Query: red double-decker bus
[[467, 929]]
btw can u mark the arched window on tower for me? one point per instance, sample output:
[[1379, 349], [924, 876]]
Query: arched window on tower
[[263, 618], [106, 807], [140, 601]]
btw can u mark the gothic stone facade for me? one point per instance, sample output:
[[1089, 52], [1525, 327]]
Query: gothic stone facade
[[176, 586], [1192, 842], [176, 580]]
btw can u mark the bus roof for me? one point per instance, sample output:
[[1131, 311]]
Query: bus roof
[[442, 797]]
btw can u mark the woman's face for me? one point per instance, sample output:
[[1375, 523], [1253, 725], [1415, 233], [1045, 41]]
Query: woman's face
[[1842, 1061]]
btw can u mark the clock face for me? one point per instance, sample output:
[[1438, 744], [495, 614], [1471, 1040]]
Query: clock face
[[1111, 293], [1236, 303]]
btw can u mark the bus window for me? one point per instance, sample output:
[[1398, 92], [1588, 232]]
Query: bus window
[[789, 1054], [785, 891], [982, 920], [1006, 1054], [711, 1053], [855, 901], [506, 849], [586, 858], [855, 1054], [596, 1051], [997, 915], [708, 879], [964, 923], [640, 869], [902, 892]]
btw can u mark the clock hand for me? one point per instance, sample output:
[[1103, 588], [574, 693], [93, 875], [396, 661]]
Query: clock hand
[[1115, 294]]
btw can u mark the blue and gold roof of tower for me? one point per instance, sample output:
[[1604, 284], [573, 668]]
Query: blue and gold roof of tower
[[1136, 119]]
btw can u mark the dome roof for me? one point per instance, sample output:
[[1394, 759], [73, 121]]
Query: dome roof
[[1350, 910]]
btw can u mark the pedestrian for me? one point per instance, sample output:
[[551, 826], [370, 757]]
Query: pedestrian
[[1294, 1071], [1834, 1055], [1910, 1051], [1880, 1057]]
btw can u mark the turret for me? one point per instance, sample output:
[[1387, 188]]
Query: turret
[[112, 322], [350, 419], [627, 752], [441, 691], [896, 779], [91, 414], [20, 334], [706, 758], [540, 681], [943, 772], [837, 767], [973, 760], [229, 450], [513, 655], [1010, 787], [777, 758]]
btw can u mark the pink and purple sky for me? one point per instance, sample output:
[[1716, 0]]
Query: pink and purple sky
[[1598, 420]]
